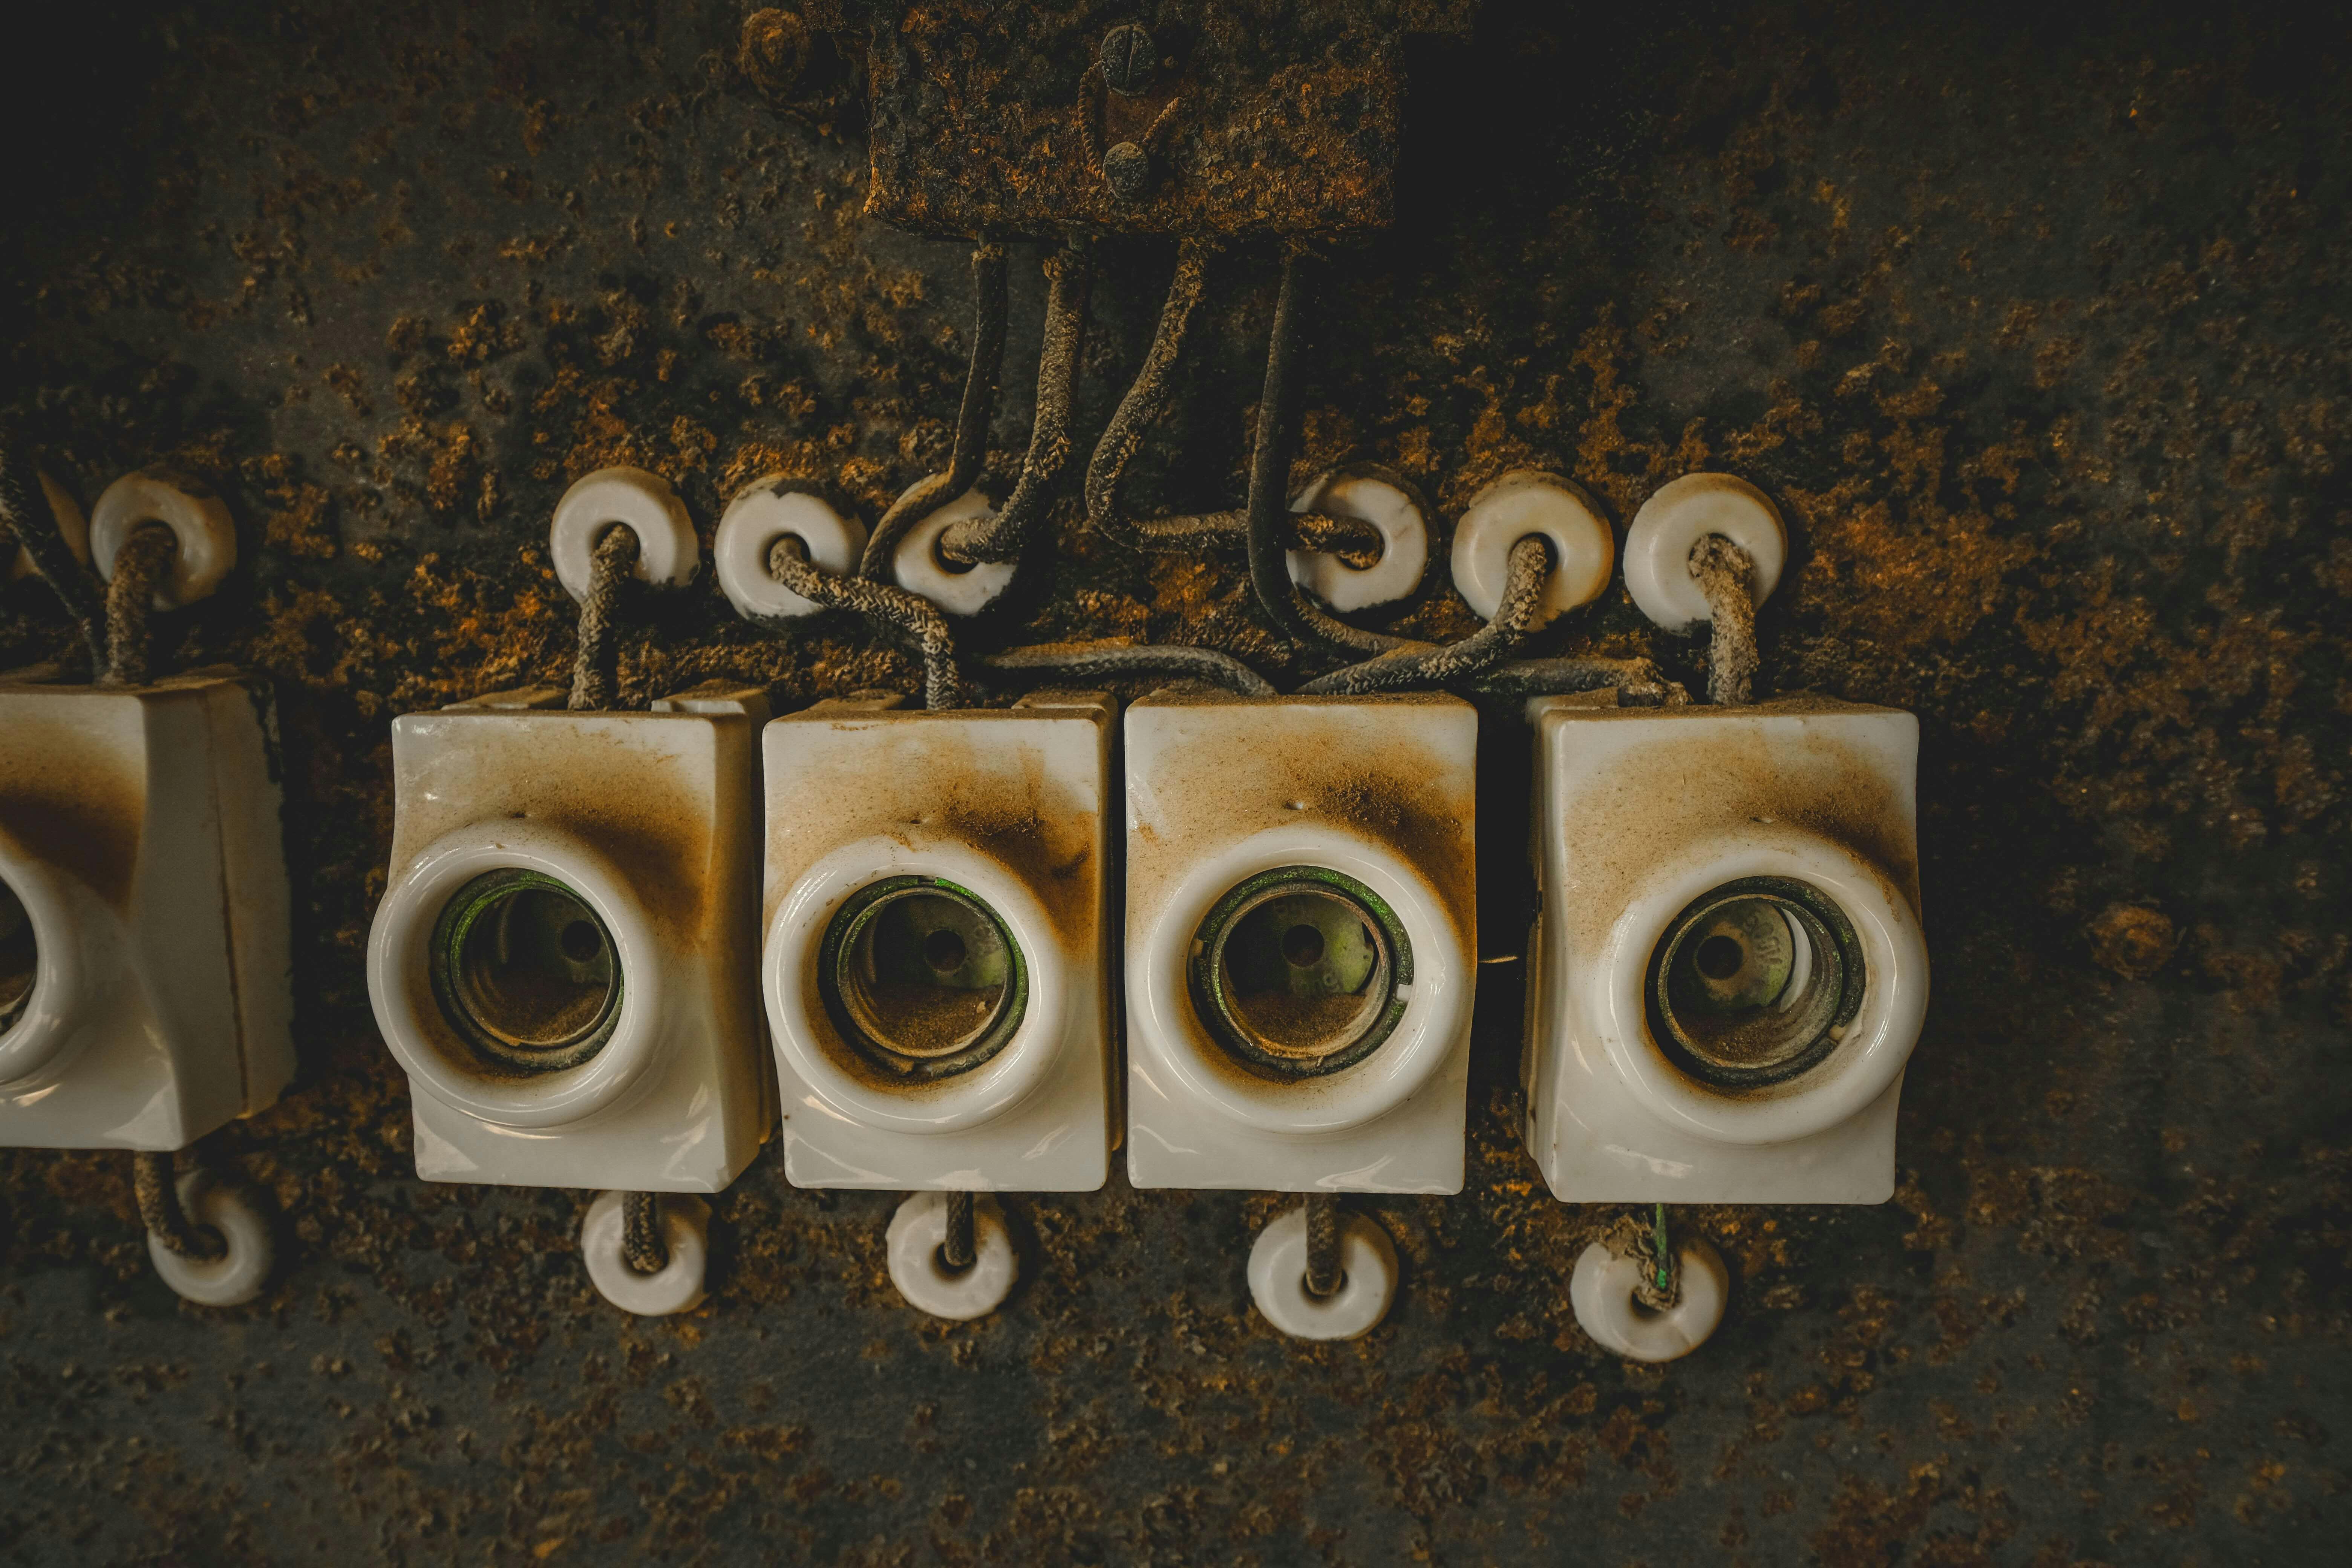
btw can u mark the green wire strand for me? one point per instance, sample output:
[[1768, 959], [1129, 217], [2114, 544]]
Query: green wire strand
[[1658, 1226]]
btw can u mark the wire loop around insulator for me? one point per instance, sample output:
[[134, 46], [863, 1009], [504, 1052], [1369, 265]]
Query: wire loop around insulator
[[1726, 573], [596, 676], [1423, 665], [884, 605], [974, 416], [143, 563]]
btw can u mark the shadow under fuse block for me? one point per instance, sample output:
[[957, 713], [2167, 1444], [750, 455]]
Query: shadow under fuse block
[[564, 959], [145, 987], [1727, 970]]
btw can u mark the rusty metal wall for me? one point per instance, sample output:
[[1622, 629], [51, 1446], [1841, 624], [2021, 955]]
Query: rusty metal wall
[[2035, 322]]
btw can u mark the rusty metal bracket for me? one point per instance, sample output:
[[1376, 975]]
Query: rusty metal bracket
[[1193, 117]]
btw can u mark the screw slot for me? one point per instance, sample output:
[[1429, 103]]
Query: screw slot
[[1129, 59]]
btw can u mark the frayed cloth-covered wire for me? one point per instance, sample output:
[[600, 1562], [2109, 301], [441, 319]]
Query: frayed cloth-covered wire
[[643, 1247], [978, 411], [1638, 682], [139, 567], [595, 666], [1114, 660], [1005, 534], [891, 606], [1354, 540], [1727, 576], [958, 1249], [1425, 664], [157, 1190], [25, 516], [1324, 1275]]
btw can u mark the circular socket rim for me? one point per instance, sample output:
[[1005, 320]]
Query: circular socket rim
[[1879, 1040], [831, 1069], [1434, 1028], [434, 1055], [75, 937]]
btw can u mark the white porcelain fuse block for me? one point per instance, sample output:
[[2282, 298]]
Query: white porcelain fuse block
[[935, 964], [1728, 973], [145, 994], [1301, 941], [564, 961]]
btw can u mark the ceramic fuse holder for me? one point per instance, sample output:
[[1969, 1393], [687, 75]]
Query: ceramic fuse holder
[[564, 959], [1727, 972], [934, 963], [1301, 941], [145, 994]]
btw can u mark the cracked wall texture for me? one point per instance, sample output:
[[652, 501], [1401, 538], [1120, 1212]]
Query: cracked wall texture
[[2034, 322]]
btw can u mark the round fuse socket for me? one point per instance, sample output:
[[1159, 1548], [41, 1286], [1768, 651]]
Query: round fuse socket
[[769, 510], [1301, 971], [668, 552], [922, 978], [1671, 524], [198, 519], [1520, 503]]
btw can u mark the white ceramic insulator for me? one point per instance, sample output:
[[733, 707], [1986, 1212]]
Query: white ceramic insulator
[[1522, 503], [678, 1286], [918, 1232], [198, 518], [766, 511], [1277, 1279], [919, 568], [238, 1275], [668, 552], [1404, 543], [71, 525], [1601, 1290], [1669, 526]]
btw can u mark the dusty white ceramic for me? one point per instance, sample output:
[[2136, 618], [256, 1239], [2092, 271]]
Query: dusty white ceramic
[[71, 526], [919, 1229], [197, 518], [1404, 543], [651, 821], [1378, 789], [1639, 814], [767, 510], [1009, 806], [249, 1249], [1670, 524], [139, 835], [1277, 1279], [919, 569], [1522, 503], [667, 552], [678, 1286], [1601, 1292]]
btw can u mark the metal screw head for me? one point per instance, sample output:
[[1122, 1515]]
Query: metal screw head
[[1126, 168], [774, 49], [1127, 58]]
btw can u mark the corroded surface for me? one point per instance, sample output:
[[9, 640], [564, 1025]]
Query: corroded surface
[[2035, 329]]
